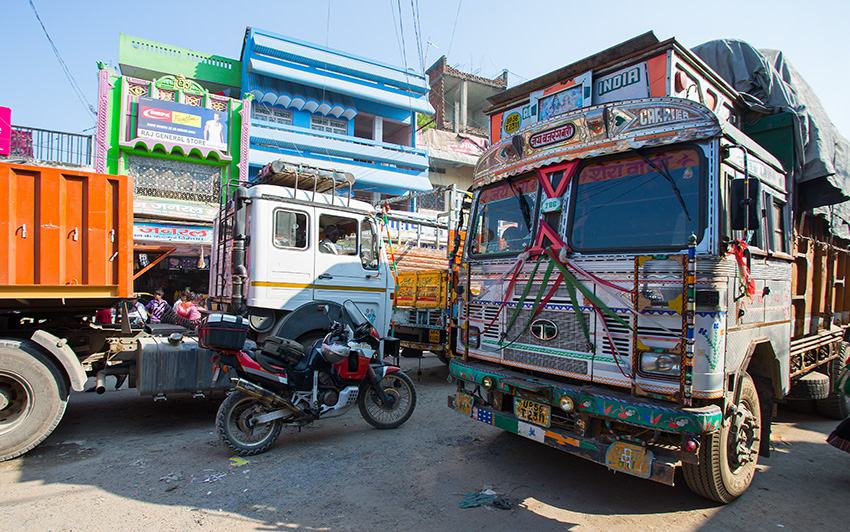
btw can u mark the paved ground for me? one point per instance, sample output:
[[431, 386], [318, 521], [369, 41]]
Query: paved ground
[[122, 462]]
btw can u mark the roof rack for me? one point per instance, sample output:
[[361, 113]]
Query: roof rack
[[303, 177]]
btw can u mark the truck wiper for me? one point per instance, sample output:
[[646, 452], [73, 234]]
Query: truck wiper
[[666, 174], [523, 207]]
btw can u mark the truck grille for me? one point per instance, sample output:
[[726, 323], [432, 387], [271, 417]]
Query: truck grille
[[570, 334], [545, 360]]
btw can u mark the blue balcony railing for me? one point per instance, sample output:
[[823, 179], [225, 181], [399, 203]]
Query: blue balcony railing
[[51, 146]]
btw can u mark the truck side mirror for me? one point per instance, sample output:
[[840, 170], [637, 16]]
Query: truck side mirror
[[744, 207]]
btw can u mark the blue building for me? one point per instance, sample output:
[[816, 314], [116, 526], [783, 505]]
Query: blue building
[[328, 109]]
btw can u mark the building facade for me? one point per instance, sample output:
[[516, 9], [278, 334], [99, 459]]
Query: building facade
[[331, 110], [167, 120], [460, 129]]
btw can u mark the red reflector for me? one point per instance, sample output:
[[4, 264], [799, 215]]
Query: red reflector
[[690, 446]]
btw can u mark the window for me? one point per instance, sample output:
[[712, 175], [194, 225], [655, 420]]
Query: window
[[642, 200], [777, 225], [503, 217], [338, 235], [329, 125], [290, 229], [271, 114]]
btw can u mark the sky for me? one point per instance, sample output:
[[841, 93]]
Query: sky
[[528, 39]]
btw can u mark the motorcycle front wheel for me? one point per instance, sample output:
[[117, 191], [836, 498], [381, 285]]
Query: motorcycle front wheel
[[396, 385], [237, 426]]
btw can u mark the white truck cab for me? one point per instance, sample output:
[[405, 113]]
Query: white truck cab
[[301, 247]]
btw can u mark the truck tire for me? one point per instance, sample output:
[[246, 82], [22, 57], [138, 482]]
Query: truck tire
[[33, 397], [728, 457], [409, 352], [813, 385], [835, 405]]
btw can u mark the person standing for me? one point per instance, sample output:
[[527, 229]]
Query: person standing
[[157, 306]]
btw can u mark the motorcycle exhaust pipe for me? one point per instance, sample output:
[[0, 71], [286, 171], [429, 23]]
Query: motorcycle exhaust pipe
[[100, 382], [267, 396]]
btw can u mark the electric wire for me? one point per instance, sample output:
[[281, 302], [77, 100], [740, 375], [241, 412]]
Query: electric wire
[[74, 86]]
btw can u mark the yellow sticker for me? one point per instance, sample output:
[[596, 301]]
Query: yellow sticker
[[512, 122]]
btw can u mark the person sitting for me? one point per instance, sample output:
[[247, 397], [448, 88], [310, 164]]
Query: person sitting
[[328, 244], [136, 311], [157, 306], [512, 239], [186, 308]]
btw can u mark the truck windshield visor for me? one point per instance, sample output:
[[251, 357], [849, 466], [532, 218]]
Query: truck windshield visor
[[647, 201], [503, 217]]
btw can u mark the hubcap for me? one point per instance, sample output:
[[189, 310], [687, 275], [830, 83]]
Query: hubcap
[[14, 401], [743, 437]]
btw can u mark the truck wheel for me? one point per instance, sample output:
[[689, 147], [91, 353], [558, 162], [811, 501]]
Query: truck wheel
[[728, 457], [813, 385], [409, 352], [33, 397], [836, 405], [443, 355]]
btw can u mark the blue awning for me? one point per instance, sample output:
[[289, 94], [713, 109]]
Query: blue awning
[[289, 95]]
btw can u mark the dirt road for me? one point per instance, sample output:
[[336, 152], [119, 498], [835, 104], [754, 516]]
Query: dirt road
[[121, 462]]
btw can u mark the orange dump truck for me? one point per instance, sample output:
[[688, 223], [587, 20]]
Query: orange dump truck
[[69, 252]]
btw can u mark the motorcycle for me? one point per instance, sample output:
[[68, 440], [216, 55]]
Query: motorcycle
[[280, 383]]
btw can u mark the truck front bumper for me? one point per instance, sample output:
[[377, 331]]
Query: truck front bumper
[[589, 402]]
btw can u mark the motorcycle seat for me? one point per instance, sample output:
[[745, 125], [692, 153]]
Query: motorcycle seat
[[284, 351]]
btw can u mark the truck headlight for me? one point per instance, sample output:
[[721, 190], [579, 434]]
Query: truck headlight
[[664, 364]]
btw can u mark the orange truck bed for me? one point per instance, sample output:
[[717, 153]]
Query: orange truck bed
[[68, 237]]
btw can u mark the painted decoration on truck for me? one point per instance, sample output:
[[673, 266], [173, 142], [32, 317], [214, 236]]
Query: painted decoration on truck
[[629, 83], [564, 96]]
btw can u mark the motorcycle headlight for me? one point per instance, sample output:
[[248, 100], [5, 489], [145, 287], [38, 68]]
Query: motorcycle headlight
[[663, 364]]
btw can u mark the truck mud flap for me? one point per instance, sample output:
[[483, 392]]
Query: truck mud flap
[[659, 470]]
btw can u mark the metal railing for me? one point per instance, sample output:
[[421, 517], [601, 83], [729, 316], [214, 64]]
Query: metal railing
[[51, 146]]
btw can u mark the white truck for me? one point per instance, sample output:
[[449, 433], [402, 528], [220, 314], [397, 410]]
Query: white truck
[[292, 242]]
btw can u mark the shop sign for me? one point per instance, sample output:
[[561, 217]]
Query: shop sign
[[181, 123], [551, 136], [629, 83], [177, 234], [174, 209], [5, 130]]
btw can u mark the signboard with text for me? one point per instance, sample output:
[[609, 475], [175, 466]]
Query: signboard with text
[[5, 130], [181, 123], [177, 234]]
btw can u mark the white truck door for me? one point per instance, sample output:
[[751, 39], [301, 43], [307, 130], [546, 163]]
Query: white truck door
[[348, 265], [281, 255]]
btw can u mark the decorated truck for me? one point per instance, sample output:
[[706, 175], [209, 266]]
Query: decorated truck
[[424, 259], [655, 259], [69, 253]]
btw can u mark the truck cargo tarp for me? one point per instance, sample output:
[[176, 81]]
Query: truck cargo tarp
[[770, 83]]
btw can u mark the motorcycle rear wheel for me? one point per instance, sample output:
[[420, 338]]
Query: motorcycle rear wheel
[[236, 428], [397, 385]]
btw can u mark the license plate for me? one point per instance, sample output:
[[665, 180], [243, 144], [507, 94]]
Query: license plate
[[434, 336], [463, 403], [533, 412], [629, 458]]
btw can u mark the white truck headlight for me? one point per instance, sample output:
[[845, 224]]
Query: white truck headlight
[[664, 364]]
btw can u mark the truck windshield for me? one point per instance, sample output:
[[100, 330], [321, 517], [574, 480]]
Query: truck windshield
[[634, 202], [503, 217]]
